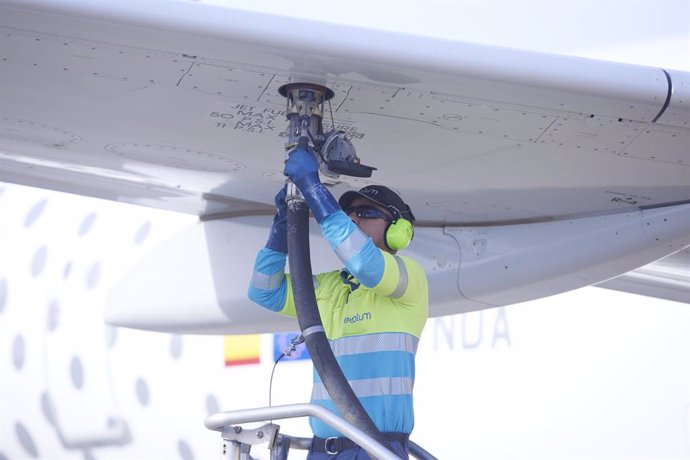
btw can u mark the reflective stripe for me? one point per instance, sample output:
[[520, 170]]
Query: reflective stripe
[[266, 282], [370, 343], [314, 281], [351, 245], [402, 280], [370, 387]]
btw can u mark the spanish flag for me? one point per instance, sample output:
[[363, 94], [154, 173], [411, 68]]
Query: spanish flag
[[242, 349]]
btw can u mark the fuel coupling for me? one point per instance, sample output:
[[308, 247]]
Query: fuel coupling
[[305, 111]]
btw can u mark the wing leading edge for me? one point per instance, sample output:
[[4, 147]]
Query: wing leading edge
[[180, 288]]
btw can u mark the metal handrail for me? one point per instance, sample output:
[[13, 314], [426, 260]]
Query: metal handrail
[[220, 420], [419, 452]]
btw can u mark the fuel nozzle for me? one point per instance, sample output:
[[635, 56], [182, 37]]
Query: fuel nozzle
[[305, 109]]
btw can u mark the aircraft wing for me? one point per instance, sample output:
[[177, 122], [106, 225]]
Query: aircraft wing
[[667, 278], [504, 155]]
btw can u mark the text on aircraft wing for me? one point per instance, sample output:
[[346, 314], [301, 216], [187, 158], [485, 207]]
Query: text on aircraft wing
[[178, 108]]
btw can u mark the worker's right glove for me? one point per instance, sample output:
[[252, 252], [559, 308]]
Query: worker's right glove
[[277, 237], [303, 170]]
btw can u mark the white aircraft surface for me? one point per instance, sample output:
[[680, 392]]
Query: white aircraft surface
[[531, 175]]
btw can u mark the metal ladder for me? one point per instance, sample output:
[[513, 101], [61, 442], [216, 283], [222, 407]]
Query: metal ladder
[[238, 441]]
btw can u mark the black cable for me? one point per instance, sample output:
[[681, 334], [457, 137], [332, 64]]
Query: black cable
[[270, 382], [330, 109], [288, 351]]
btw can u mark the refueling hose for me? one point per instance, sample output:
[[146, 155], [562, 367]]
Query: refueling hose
[[311, 326]]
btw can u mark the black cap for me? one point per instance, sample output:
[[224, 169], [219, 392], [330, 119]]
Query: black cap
[[382, 196]]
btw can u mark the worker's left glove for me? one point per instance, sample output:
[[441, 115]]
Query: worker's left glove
[[277, 237], [303, 170]]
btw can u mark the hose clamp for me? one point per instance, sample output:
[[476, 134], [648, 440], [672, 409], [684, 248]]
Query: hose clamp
[[311, 330], [292, 193]]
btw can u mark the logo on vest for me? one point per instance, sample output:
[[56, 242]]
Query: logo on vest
[[357, 318]]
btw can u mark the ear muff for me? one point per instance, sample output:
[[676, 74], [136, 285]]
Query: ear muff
[[399, 234]]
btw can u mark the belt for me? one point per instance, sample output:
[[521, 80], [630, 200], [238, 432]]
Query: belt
[[334, 445]]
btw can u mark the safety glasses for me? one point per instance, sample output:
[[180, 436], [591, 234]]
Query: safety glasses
[[368, 212]]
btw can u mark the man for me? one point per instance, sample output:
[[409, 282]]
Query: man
[[373, 310]]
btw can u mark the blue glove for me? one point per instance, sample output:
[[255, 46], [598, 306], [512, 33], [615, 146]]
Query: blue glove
[[301, 166], [303, 170], [277, 237]]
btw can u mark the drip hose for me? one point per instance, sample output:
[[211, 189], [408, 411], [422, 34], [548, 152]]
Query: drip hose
[[312, 329]]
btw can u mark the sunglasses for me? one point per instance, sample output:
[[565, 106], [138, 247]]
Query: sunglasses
[[368, 212]]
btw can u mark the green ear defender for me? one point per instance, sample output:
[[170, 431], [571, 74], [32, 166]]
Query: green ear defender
[[399, 234]]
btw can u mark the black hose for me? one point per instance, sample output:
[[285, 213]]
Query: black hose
[[308, 316]]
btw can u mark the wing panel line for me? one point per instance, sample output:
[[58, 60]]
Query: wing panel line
[[265, 88], [669, 93], [185, 74]]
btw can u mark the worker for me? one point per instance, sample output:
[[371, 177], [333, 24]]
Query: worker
[[373, 310]]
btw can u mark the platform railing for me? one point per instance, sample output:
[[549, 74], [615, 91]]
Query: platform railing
[[238, 441]]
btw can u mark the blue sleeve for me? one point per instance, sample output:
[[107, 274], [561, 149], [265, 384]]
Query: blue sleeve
[[268, 286], [354, 248]]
